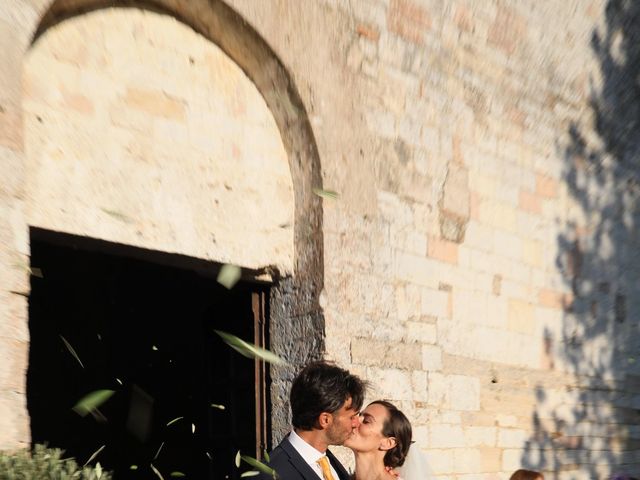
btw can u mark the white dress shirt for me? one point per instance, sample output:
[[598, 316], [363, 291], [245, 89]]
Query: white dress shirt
[[310, 454]]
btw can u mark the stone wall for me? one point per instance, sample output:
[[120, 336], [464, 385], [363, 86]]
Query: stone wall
[[480, 264]]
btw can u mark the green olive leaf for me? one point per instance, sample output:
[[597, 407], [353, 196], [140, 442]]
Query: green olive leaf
[[93, 456], [155, 470], [177, 419], [229, 275], [259, 465], [71, 350], [330, 194], [249, 350], [92, 401]]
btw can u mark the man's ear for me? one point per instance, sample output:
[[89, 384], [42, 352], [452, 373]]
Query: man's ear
[[324, 420], [387, 443]]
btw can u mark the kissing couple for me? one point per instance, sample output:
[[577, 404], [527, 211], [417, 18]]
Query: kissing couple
[[325, 406]]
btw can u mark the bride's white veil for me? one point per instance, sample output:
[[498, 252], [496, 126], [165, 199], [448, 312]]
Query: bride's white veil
[[415, 465]]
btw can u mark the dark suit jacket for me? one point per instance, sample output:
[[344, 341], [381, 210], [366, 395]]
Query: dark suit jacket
[[290, 465]]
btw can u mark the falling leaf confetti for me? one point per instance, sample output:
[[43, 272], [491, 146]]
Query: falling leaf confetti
[[155, 470], [259, 465], [229, 275], [71, 350], [92, 401], [36, 272], [249, 350], [159, 450], [177, 419], [325, 193], [117, 215], [94, 455]]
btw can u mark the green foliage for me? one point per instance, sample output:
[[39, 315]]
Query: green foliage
[[46, 464]]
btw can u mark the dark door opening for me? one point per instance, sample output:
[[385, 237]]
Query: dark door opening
[[145, 330]]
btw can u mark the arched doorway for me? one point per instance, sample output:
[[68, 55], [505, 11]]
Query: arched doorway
[[182, 155]]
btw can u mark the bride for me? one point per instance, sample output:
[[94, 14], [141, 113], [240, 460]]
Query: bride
[[381, 445]]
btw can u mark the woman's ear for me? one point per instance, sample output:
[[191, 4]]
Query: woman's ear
[[387, 443]]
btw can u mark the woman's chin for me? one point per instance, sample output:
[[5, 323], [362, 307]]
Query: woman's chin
[[350, 444]]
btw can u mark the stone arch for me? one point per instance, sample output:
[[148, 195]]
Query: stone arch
[[297, 323]]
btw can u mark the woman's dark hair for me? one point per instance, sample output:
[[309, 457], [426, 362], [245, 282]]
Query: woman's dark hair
[[323, 387], [523, 474], [397, 425]]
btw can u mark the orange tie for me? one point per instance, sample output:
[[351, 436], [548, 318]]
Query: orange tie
[[326, 469]]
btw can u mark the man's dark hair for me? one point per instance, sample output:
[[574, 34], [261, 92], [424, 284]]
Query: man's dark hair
[[323, 387]]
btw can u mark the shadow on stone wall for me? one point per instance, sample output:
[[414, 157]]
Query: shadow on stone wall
[[594, 422]]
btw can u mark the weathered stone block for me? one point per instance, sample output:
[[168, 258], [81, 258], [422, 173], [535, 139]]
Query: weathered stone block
[[408, 19], [421, 332], [435, 303], [390, 383], [481, 436], [446, 436], [467, 460], [512, 459], [440, 460], [14, 420], [431, 358], [465, 392], [155, 103], [365, 351], [443, 250], [546, 186], [521, 316], [530, 202], [439, 395], [14, 355], [511, 437]]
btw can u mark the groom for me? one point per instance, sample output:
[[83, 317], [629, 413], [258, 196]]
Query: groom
[[325, 406]]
